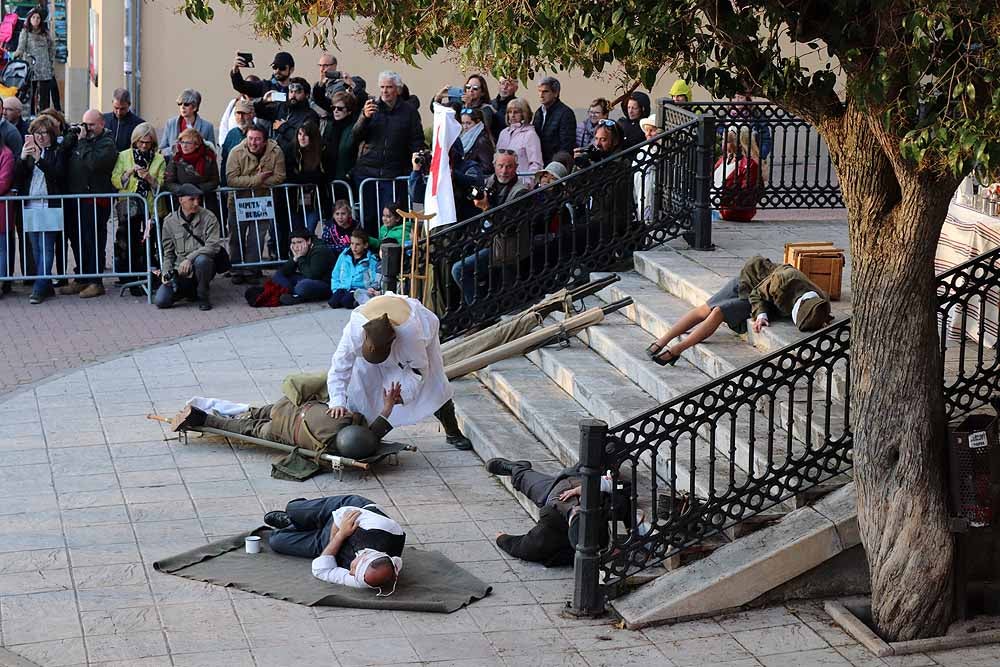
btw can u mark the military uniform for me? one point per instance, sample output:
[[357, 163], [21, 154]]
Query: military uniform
[[765, 283], [307, 425]]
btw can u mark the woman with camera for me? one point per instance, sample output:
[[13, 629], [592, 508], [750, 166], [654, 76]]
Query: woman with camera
[[41, 171], [139, 169], [520, 137]]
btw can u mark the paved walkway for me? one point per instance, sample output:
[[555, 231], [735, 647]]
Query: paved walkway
[[91, 495]]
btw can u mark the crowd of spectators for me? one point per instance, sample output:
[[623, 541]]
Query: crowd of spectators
[[304, 149]]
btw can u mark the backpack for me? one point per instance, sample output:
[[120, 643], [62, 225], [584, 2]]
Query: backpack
[[7, 27]]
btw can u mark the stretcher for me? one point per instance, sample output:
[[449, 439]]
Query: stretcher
[[386, 450]]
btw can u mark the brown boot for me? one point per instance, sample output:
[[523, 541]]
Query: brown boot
[[70, 289], [189, 417], [92, 290]]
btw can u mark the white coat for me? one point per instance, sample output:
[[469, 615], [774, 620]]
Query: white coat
[[357, 384]]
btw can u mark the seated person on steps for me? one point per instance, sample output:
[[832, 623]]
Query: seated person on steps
[[351, 541], [761, 287]]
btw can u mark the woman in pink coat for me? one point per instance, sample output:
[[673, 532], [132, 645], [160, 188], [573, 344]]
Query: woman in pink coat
[[519, 136], [6, 182]]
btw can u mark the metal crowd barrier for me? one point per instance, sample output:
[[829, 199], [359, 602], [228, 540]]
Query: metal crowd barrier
[[257, 222], [43, 232], [371, 219]]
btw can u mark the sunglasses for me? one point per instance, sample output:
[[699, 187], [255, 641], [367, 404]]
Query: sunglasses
[[506, 151], [296, 88], [472, 87], [185, 104], [466, 111], [279, 68], [607, 122], [339, 108]]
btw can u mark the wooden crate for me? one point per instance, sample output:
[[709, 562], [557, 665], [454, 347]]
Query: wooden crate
[[821, 261]]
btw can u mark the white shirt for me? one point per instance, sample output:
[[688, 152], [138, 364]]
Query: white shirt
[[357, 384], [326, 568], [38, 187]]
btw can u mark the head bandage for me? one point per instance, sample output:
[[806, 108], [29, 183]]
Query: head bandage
[[368, 556]]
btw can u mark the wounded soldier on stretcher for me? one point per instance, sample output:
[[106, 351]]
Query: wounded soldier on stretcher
[[309, 425]]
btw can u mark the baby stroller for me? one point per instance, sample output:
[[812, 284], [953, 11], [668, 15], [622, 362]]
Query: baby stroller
[[15, 80]]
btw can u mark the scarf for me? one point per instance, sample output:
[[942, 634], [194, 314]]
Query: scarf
[[196, 158], [588, 132], [142, 159], [468, 138]]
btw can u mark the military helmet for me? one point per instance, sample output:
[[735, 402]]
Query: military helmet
[[356, 442]]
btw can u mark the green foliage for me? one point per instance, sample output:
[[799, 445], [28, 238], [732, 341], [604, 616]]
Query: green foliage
[[927, 68]]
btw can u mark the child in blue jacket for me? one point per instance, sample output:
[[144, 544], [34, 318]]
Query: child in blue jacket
[[357, 269]]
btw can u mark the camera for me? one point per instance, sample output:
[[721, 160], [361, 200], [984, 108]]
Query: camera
[[334, 75], [423, 158], [246, 57], [75, 129], [477, 192], [593, 153], [167, 277]]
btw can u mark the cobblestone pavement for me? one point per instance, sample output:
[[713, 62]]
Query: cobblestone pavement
[[67, 332], [91, 495]]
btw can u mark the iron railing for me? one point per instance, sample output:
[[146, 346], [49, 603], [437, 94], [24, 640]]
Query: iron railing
[[793, 166], [752, 439], [512, 255]]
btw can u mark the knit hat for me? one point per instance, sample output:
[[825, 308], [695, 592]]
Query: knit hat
[[379, 335], [557, 169], [283, 59], [813, 314], [243, 106], [680, 87]]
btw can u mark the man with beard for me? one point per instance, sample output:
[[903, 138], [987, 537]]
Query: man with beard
[[243, 110], [282, 66], [287, 117]]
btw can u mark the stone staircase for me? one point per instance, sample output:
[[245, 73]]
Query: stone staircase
[[530, 407]]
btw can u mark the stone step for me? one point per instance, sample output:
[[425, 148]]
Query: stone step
[[554, 416], [742, 571], [693, 284], [655, 311], [495, 432], [623, 343]]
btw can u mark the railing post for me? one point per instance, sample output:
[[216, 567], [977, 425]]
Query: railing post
[[588, 598], [700, 237]]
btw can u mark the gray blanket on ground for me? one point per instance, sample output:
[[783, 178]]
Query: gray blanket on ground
[[428, 581]]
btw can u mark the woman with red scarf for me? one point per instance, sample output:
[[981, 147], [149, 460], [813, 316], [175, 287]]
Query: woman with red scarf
[[193, 162]]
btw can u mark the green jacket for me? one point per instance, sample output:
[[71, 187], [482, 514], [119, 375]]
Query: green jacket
[[126, 160], [765, 283], [394, 233], [317, 264], [179, 245]]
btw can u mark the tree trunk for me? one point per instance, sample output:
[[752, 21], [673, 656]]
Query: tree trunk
[[897, 408]]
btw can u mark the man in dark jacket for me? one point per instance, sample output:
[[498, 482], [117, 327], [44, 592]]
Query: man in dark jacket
[[282, 66], [553, 539], [635, 108], [388, 132], [508, 91], [91, 157], [307, 271], [555, 123], [287, 117], [121, 121]]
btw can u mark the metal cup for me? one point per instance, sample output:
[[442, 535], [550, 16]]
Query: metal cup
[[252, 543]]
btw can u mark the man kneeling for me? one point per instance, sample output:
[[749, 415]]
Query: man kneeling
[[351, 541]]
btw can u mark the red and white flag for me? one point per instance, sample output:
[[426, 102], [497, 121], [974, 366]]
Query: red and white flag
[[440, 196]]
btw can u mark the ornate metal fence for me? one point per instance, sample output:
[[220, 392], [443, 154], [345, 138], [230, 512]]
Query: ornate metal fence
[[557, 234], [788, 165], [754, 438]]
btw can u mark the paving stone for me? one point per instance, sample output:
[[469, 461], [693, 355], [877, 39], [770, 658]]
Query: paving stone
[[39, 617], [38, 581], [57, 653], [125, 647], [703, 651], [238, 658], [636, 656], [780, 639], [452, 647], [120, 621], [826, 657], [33, 561]]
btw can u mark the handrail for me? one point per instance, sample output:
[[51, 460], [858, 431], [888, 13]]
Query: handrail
[[591, 220], [749, 440]]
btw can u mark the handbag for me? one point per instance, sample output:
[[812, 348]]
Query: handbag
[[127, 208]]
